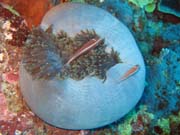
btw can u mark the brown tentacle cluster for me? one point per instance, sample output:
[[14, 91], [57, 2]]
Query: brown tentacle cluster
[[45, 55], [40, 55]]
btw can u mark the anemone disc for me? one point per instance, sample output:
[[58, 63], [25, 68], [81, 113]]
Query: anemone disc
[[88, 103]]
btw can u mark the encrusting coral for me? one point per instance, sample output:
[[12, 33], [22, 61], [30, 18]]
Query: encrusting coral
[[13, 28], [170, 7]]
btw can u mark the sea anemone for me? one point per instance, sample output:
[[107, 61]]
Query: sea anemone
[[47, 56], [81, 98]]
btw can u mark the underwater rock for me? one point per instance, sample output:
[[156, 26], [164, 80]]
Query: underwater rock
[[89, 102], [170, 6]]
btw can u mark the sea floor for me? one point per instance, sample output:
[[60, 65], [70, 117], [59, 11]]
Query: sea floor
[[157, 34]]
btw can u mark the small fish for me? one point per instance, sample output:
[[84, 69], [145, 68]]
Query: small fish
[[130, 72], [86, 47]]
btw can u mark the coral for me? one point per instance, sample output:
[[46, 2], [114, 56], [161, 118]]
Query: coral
[[167, 125], [154, 28], [149, 5], [141, 3], [13, 96], [158, 35], [13, 29], [4, 112], [11, 77], [136, 122], [31, 11], [120, 9], [164, 125], [174, 124], [4, 58], [171, 33], [17, 125], [10, 8], [145, 48], [161, 97], [125, 128], [169, 6]]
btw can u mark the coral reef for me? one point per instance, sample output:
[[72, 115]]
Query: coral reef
[[136, 122], [157, 35], [28, 10], [119, 8], [148, 5], [141, 3], [162, 97], [171, 33], [169, 6], [13, 28]]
